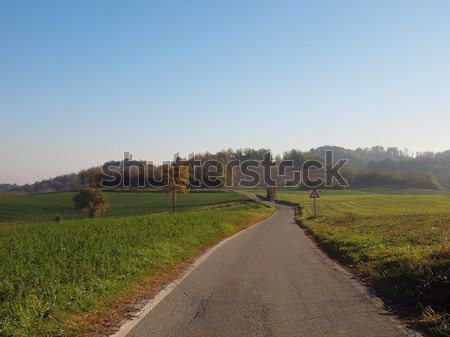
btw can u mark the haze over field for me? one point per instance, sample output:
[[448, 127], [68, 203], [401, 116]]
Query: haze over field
[[82, 82]]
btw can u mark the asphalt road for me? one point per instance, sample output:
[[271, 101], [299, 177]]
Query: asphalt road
[[267, 281]]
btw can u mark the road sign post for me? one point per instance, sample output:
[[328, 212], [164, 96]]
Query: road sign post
[[314, 195], [314, 207]]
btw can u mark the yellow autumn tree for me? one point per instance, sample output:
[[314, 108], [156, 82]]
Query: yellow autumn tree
[[176, 179]]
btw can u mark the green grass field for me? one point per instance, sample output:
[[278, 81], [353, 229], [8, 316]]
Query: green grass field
[[51, 272], [396, 240], [44, 206]]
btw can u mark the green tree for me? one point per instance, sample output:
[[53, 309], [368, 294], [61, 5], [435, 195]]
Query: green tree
[[176, 179], [92, 201]]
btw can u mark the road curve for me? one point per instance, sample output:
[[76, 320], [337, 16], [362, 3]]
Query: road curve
[[267, 281]]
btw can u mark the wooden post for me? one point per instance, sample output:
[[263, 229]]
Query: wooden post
[[314, 207]]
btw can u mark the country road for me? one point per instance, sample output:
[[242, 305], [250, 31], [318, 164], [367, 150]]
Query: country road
[[269, 280]]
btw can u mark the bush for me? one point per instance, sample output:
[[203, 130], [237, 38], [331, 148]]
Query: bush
[[92, 201]]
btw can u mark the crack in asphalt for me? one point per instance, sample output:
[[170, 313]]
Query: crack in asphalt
[[202, 307]]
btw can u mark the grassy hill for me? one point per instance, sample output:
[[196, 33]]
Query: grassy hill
[[44, 206]]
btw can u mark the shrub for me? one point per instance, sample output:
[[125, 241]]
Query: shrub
[[92, 201]]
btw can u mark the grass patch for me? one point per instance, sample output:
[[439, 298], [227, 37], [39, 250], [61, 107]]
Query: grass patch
[[397, 242], [54, 271], [44, 206]]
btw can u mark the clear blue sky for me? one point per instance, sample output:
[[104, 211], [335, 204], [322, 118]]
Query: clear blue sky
[[83, 81]]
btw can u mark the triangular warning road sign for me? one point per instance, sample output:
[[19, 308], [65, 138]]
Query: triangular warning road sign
[[314, 194]]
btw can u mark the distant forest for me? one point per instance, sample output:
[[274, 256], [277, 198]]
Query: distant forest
[[366, 167]]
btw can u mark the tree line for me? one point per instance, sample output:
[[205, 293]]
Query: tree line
[[366, 167]]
